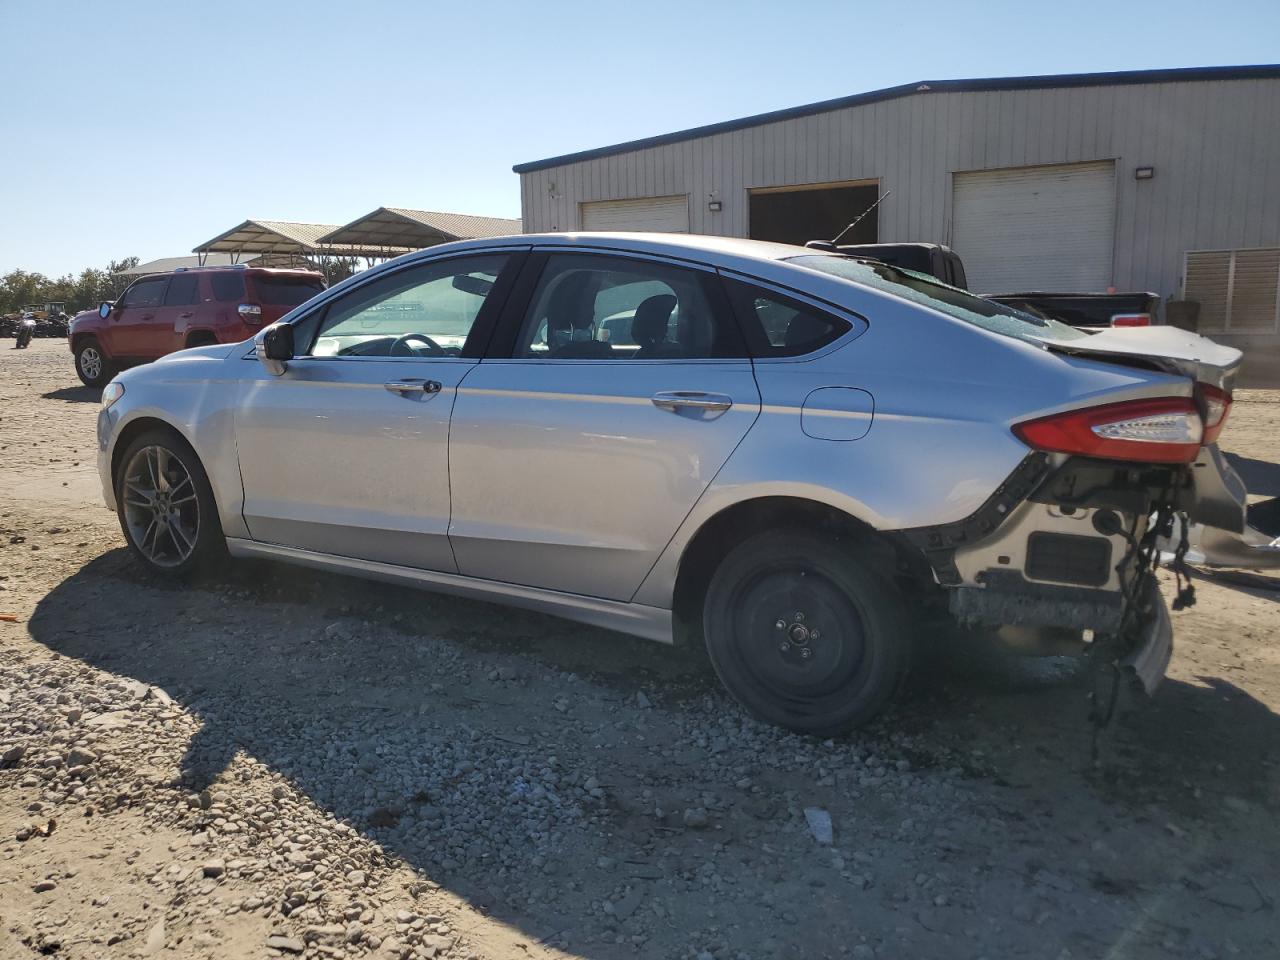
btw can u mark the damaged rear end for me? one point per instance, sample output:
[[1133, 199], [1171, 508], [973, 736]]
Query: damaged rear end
[[1069, 544]]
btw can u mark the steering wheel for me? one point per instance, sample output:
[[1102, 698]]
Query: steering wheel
[[400, 347]]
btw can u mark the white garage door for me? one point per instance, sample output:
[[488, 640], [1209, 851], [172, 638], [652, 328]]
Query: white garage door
[[1036, 228], [657, 214]]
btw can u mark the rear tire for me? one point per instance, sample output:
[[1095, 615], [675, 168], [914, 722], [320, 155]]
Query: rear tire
[[92, 364], [166, 506], [806, 631]]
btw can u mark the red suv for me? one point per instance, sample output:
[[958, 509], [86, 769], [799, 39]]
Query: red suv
[[191, 307]]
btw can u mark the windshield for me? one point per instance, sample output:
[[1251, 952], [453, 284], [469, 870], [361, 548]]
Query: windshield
[[929, 292]]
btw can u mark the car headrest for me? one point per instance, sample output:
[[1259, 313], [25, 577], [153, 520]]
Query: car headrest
[[649, 326]]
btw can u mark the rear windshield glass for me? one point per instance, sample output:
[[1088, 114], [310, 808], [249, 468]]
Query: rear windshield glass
[[925, 290], [286, 291]]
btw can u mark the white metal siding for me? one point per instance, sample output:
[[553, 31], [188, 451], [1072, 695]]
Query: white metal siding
[[659, 214], [1215, 146], [1238, 290], [1036, 228]]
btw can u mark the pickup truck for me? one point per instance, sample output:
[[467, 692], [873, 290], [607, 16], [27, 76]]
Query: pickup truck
[[1091, 311]]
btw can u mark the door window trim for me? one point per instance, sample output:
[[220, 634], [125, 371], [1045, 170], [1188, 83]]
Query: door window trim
[[502, 344], [481, 329]]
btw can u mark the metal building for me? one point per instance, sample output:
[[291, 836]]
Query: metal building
[[1160, 180]]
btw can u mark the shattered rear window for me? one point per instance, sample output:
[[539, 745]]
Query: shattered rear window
[[930, 292]]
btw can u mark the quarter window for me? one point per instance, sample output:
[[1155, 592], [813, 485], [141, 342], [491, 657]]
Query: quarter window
[[591, 307], [423, 311], [145, 293], [777, 326]]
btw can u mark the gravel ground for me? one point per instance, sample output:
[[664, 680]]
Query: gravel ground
[[278, 763]]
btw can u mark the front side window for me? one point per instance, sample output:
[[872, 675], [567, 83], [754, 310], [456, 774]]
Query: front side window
[[423, 311], [145, 293], [928, 292], [592, 307]]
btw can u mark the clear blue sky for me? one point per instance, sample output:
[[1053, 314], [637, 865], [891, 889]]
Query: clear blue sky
[[144, 128]]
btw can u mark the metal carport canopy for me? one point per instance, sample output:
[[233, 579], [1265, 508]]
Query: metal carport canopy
[[279, 236], [400, 229]]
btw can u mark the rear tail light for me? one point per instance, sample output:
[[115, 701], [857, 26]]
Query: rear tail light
[[1217, 404], [250, 312], [1164, 430], [1131, 320]]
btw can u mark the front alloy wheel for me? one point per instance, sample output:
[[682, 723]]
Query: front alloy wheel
[[91, 364], [166, 505], [161, 508]]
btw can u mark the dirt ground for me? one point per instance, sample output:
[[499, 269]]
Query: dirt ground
[[275, 762]]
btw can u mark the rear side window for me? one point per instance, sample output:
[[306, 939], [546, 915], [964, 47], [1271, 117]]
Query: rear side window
[[228, 286], [284, 291], [183, 290], [145, 293], [777, 326]]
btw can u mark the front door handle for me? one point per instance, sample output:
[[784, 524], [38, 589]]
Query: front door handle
[[675, 400], [411, 386]]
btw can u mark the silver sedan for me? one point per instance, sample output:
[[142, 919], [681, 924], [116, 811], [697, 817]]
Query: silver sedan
[[794, 456]]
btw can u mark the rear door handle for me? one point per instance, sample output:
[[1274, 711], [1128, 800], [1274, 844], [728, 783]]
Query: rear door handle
[[675, 400], [412, 386]]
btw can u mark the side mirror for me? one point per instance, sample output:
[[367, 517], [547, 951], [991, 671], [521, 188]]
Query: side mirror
[[274, 346], [105, 308], [277, 342]]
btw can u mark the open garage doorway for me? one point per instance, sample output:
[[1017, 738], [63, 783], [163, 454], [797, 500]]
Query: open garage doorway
[[816, 211]]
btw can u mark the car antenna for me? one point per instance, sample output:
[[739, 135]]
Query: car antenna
[[831, 244]]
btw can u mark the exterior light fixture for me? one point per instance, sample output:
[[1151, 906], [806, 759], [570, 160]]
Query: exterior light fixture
[[1143, 173]]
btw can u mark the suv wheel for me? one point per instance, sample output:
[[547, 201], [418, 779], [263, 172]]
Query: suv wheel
[[91, 363], [806, 631], [166, 506]]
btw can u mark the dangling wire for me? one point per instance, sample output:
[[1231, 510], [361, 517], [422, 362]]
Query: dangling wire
[[1181, 572]]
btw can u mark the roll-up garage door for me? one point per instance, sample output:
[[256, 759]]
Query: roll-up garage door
[[658, 214], [1036, 228]]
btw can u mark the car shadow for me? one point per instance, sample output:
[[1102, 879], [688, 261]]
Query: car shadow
[[75, 395], [301, 671]]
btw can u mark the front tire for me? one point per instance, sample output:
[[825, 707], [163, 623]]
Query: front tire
[[806, 631], [166, 505], [91, 363]]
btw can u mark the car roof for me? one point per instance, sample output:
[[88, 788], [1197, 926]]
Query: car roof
[[682, 245]]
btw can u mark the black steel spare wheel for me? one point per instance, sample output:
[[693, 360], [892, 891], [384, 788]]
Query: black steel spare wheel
[[806, 632], [165, 504]]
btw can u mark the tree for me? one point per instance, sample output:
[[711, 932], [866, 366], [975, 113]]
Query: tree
[[84, 292]]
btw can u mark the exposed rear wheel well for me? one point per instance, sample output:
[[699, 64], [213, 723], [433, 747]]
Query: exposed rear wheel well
[[731, 526]]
